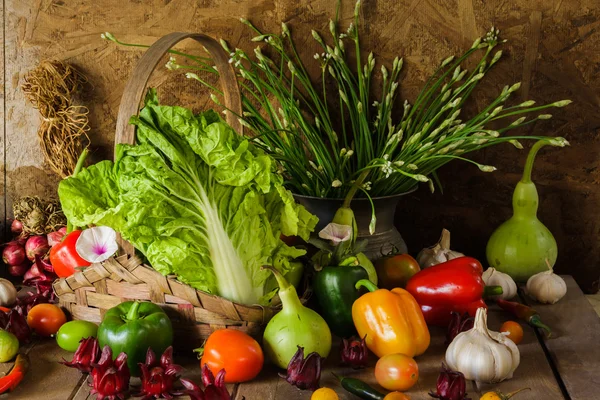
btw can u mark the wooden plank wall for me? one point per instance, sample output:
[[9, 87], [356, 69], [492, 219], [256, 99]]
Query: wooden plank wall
[[553, 49]]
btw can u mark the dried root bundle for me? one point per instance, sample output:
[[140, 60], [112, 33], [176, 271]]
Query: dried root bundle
[[37, 216], [63, 132]]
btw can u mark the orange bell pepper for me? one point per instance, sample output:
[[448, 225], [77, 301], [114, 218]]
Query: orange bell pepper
[[391, 321]]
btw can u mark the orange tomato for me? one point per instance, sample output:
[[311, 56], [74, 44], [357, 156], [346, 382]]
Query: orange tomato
[[236, 352], [514, 330], [396, 372], [46, 319], [396, 396], [394, 271]]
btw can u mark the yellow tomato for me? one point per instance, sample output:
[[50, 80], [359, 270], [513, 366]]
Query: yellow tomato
[[514, 330], [324, 394], [490, 396], [396, 396]]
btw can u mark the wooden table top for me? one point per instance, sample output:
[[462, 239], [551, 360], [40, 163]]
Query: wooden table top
[[566, 366]]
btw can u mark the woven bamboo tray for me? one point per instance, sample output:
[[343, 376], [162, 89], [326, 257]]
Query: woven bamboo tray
[[88, 294]]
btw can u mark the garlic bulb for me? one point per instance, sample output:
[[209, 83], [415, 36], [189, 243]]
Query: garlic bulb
[[483, 355], [8, 293], [546, 287], [439, 253], [492, 277]]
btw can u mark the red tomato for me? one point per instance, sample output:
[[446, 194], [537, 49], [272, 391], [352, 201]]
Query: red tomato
[[394, 271], [46, 319], [396, 372], [514, 330], [239, 354]]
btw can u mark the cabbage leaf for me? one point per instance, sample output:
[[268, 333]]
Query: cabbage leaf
[[196, 199]]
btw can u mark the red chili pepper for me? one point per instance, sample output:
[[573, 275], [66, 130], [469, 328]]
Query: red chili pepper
[[10, 381], [64, 256], [455, 285], [527, 314]]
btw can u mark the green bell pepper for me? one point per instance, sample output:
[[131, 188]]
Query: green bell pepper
[[132, 327], [335, 290]]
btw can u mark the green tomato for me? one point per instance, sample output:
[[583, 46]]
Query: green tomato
[[9, 346], [70, 334]]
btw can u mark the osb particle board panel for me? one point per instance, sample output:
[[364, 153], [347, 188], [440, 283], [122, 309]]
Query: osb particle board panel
[[553, 48]]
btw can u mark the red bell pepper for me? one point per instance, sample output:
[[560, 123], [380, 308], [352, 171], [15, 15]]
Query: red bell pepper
[[64, 257], [455, 285]]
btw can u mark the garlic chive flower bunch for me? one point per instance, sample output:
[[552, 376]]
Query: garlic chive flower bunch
[[368, 148]]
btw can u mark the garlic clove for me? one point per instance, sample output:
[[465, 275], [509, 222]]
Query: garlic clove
[[546, 287], [438, 253], [483, 355], [493, 277]]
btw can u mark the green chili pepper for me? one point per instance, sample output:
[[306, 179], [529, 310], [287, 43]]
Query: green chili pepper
[[335, 290], [359, 388], [132, 327]]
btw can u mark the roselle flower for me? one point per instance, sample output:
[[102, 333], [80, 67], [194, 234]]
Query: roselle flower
[[354, 352], [158, 376], [110, 379], [451, 385], [85, 356], [17, 325], [304, 373], [214, 388], [193, 391], [458, 323]]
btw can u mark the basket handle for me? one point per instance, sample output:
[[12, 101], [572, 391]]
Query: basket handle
[[135, 90]]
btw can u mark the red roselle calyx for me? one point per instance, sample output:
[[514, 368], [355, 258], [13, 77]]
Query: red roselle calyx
[[354, 352], [13, 254], [85, 356], [158, 376], [304, 373], [36, 246], [214, 388], [458, 323], [110, 379], [451, 385]]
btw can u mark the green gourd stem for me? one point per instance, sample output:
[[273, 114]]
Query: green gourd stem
[[287, 293], [489, 291], [531, 158], [78, 167], [355, 186], [132, 314], [535, 321], [371, 287]]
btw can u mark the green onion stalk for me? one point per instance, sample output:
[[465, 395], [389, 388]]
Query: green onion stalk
[[369, 150]]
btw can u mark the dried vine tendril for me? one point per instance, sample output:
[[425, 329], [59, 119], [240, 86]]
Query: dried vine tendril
[[63, 131]]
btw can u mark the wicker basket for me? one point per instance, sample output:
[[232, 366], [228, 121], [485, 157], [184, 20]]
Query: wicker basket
[[88, 294]]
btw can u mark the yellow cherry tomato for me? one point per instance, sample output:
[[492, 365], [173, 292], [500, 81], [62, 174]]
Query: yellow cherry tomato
[[324, 394], [514, 330], [396, 396], [500, 395]]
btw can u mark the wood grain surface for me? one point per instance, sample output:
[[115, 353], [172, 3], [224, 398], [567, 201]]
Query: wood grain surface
[[565, 367], [575, 349], [553, 48]]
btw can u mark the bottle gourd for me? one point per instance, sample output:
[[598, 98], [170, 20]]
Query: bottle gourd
[[520, 246]]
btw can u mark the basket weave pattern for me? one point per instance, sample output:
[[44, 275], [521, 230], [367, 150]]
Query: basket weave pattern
[[88, 294]]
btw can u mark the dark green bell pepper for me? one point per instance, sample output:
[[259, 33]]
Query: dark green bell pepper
[[335, 290], [132, 327]]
